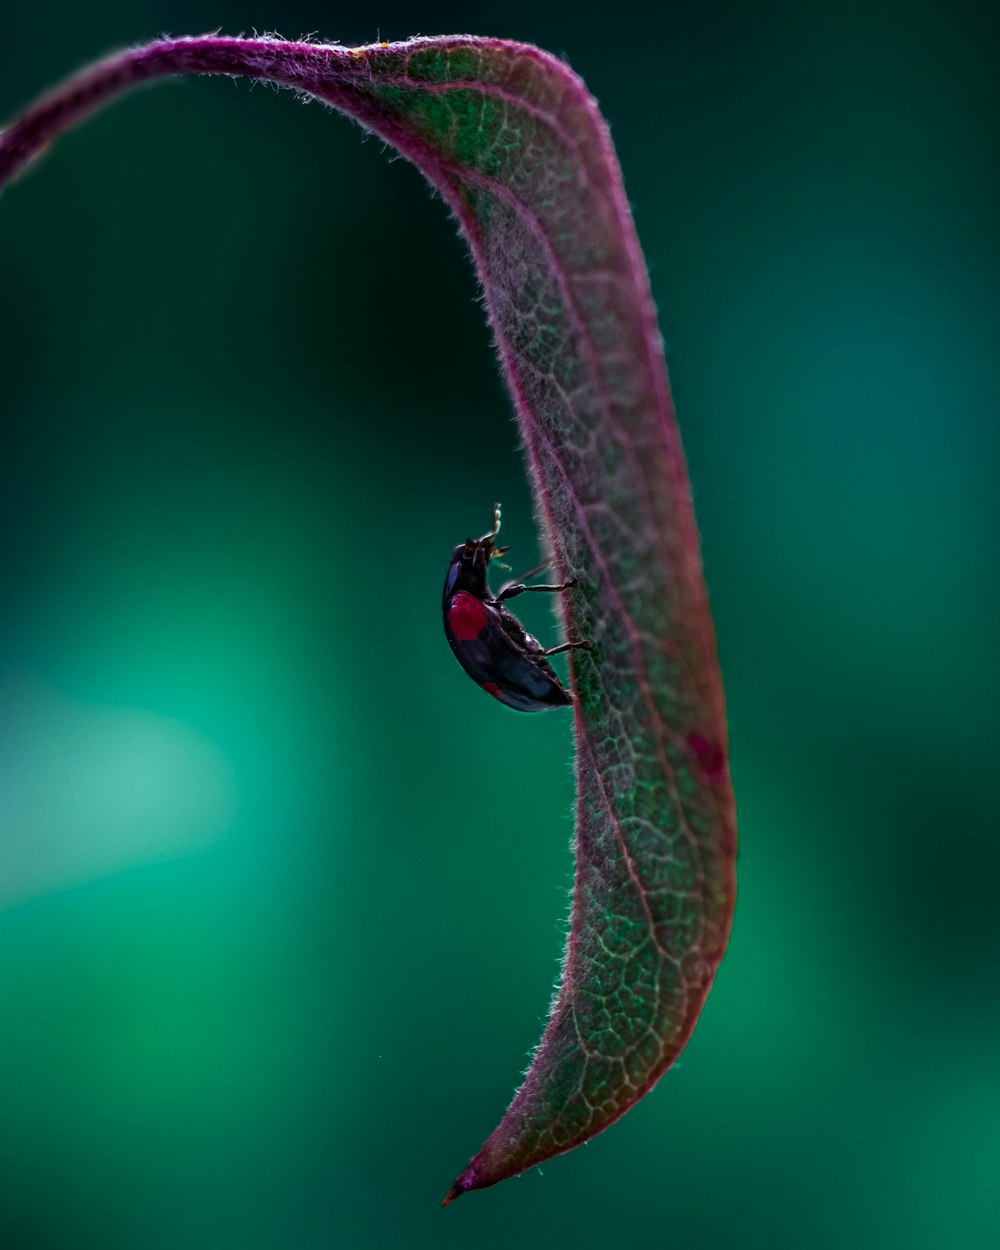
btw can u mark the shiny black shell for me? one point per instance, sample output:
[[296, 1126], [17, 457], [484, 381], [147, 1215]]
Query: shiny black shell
[[489, 642]]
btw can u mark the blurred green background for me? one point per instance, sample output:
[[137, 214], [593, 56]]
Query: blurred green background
[[281, 892]]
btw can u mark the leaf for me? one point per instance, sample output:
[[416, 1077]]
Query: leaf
[[513, 142]]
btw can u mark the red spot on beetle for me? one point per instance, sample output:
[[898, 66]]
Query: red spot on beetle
[[492, 688], [466, 616], [709, 755]]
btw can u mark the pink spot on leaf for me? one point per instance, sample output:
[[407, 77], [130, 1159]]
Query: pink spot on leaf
[[709, 755]]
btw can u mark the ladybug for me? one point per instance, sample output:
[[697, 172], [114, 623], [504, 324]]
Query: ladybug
[[489, 642]]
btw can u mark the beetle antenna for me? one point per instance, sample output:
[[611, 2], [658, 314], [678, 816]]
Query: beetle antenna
[[496, 524]]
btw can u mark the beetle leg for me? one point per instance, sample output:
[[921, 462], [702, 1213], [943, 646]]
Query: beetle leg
[[523, 577], [518, 588], [569, 646]]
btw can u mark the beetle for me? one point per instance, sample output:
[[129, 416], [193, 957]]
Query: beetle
[[489, 642]]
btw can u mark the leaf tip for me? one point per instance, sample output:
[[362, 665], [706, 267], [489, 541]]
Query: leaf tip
[[462, 1185], [456, 1191]]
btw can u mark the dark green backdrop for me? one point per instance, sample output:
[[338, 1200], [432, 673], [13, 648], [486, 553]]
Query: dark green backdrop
[[282, 893]]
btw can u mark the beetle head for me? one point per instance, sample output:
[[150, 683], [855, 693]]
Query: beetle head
[[470, 562], [468, 567]]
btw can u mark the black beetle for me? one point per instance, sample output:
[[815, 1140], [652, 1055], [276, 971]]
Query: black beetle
[[489, 642]]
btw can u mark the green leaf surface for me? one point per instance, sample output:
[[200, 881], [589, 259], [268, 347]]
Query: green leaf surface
[[518, 149]]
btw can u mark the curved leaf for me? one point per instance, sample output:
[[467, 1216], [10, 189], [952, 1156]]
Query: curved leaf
[[517, 147]]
